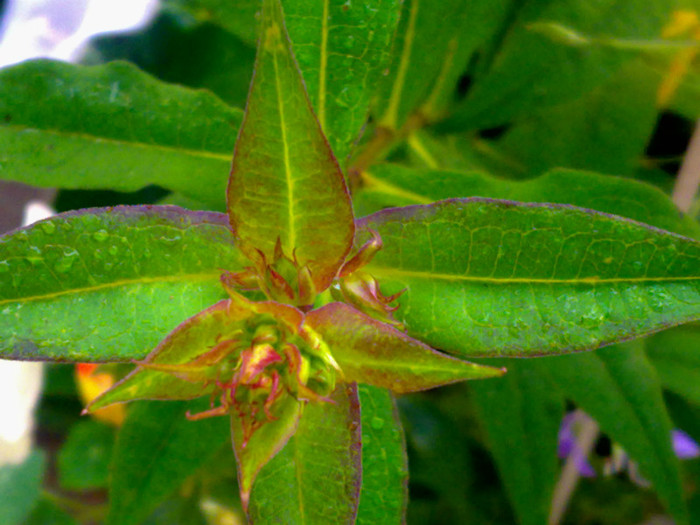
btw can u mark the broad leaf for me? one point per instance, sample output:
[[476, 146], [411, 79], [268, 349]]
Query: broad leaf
[[533, 70], [619, 389], [316, 477], [112, 127], [108, 284], [388, 185], [156, 450], [606, 130], [384, 493], [675, 357], [372, 352], [521, 415], [498, 278], [285, 184], [342, 48]]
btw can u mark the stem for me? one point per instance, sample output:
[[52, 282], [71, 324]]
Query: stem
[[688, 178], [570, 473]]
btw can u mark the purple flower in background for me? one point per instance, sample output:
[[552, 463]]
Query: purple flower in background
[[571, 446], [684, 446]]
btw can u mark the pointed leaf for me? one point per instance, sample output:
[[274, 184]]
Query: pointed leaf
[[389, 185], [157, 449], [499, 278], [112, 127], [285, 183], [384, 492], [342, 50], [264, 444], [315, 478], [107, 284], [521, 414], [369, 351], [191, 339], [631, 411]]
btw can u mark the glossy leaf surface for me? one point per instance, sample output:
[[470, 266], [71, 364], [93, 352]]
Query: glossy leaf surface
[[389, 185], [342, 49], [316, 477], [156, 450], [285, 182], [521, 414], [384, 492], [372, 352], [112, 127], [497, 278], [106, 284], [619, 388]]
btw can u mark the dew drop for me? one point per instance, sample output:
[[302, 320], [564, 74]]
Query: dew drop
[[108, 266], [65, 263], [35, 260], [170, 240], [377, 423], [4, 266], [113, 250], [100, 235], [48, 227]]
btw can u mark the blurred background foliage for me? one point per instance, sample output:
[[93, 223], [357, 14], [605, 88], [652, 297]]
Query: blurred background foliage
[[512, 88]]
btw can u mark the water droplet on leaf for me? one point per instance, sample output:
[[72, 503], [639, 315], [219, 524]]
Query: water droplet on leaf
[[4, 266], [100, 235], [48, 227], [65, 263], [113, 250], [377, 423]]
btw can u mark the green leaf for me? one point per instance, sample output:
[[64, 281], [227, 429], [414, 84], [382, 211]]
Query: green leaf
[[264, 444], [531, 70], [606, 130], [316, 477], [190, 340], [521, 415], [384, 494], [619, 389], [83, 461], [223, 64], [675, 357], [237, 17], [387, 185], [157, 449], [108, 284], [285, 183], [498, 278], [20, 487], [372, 352], [112, 127], [342, 48], [426, 44]]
